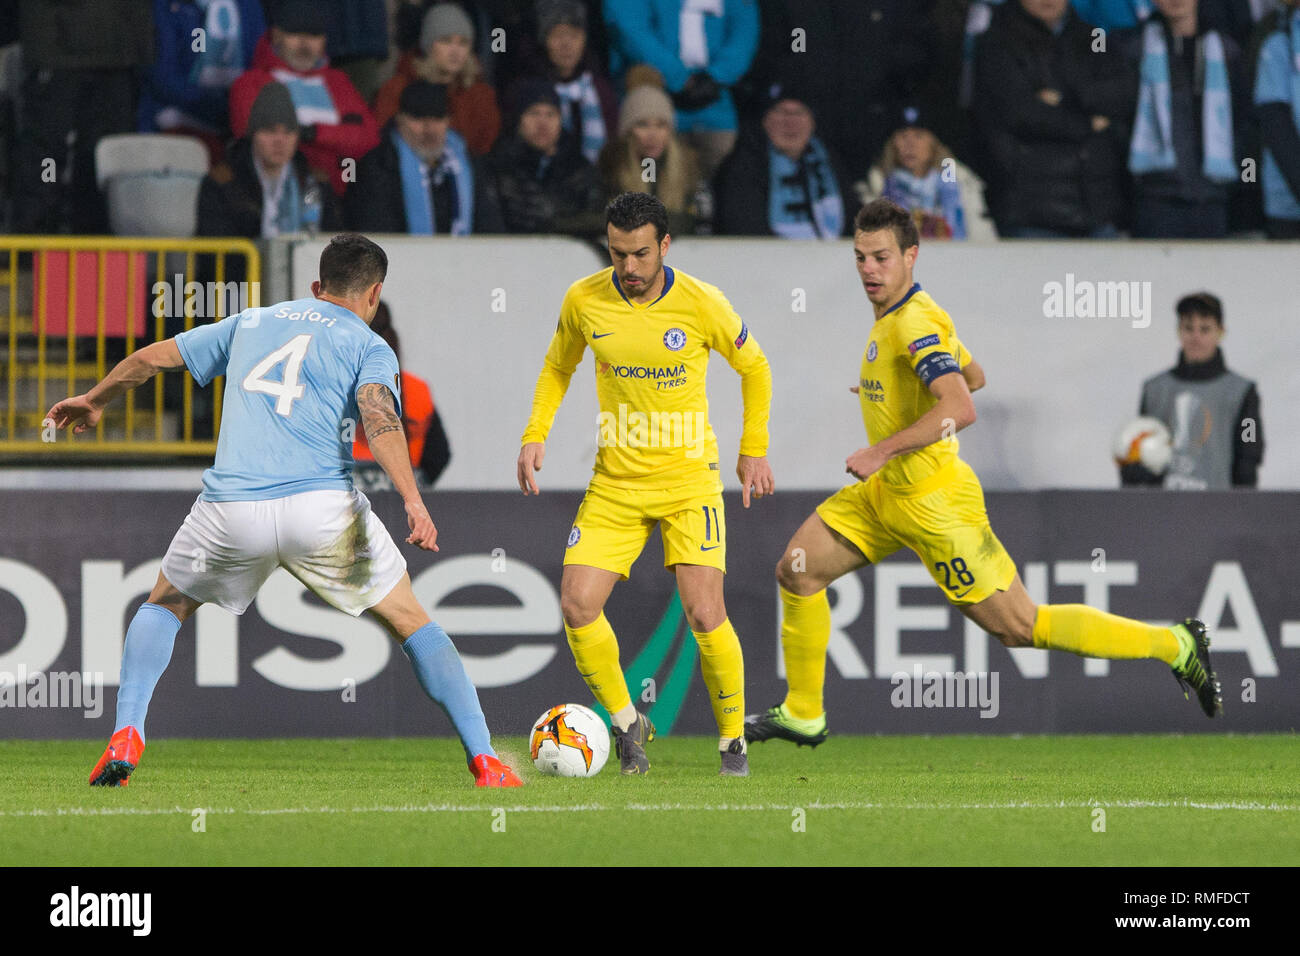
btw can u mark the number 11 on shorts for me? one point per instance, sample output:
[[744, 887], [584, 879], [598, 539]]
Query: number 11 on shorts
[[710, 524]]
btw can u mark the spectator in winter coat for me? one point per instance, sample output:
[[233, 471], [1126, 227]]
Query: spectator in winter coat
[[80, 65], [188, 90], [356, 40], [334, 122], [647, 131], [588, 105], [1190, 107], [701, 48], [542, 181], [421, 179], [1053, 117], [857, 63], [919, 173], [783, 181], [447, 42], [264, 187], [1277, 106]]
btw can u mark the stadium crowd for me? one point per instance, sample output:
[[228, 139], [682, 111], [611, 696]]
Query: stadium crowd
[[1014, 118]]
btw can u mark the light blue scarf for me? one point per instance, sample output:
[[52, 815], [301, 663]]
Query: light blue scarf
[[1152, 147], [417, 197], [787, 205], [580, 92], [288, 211], [312, 99]]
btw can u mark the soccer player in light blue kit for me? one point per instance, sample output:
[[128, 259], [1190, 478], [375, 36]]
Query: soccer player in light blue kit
[[299, 375]]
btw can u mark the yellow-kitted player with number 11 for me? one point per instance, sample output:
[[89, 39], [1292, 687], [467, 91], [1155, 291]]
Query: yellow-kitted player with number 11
[[651, 330]]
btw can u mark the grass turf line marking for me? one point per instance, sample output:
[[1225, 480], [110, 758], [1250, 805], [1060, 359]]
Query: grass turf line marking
[[656, 808]]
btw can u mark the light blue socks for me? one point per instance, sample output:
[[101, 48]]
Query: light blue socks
[[442, 675], [147, 651]]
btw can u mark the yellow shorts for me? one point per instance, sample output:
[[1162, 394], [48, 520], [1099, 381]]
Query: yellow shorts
[[941, 518], [613, 525]]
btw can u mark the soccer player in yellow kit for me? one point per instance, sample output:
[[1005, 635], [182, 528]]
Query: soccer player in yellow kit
[[650, 330], [914, 491]]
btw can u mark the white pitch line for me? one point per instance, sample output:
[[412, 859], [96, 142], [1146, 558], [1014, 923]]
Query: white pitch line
[[655, 808]]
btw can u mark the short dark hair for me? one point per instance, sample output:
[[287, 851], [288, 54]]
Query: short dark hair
[[885, 214], [633, 210], [1201, 303], [350, 264]]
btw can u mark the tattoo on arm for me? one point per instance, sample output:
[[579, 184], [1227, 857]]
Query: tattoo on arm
[[378, 411]]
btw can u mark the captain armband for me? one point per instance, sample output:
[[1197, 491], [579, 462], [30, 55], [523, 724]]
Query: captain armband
[[934, 365]]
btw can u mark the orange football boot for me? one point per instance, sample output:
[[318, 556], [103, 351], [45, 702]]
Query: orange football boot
[[122, 756], [491, 772]]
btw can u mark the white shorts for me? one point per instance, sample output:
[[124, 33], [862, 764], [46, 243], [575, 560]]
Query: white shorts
[[329, 540]]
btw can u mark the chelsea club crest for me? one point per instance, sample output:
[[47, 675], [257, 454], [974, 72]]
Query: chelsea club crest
[[675, 339], [871, 352]]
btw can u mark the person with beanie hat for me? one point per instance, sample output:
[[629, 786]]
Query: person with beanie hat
[[422, 179], [447, 58], [648, 156], [445, 20], [265, 186], [782, 180], [273, 107], [334, 122], [588, 105], [542, 182]]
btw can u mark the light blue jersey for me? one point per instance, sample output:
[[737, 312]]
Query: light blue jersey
[[289, 412]]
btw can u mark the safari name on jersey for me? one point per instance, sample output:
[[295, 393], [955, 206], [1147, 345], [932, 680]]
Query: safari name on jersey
[[308, 315]]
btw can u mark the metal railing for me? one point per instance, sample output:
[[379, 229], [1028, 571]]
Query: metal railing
[[78, 304]]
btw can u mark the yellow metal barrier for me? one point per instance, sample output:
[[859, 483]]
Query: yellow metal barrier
[[51, 317]]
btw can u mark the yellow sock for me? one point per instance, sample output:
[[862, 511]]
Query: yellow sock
[[723, 667], [595, 651], [1088, 632], [805, 632]]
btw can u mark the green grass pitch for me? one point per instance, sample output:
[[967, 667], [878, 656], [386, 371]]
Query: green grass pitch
[[1167, 801]]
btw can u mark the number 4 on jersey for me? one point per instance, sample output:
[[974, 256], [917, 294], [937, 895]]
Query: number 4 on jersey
[[287, 390]]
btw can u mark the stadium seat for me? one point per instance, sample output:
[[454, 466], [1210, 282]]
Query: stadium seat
[[151, 181]]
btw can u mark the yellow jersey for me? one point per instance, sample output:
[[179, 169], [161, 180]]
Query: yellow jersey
[[651, 360], [909, 347]]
